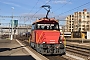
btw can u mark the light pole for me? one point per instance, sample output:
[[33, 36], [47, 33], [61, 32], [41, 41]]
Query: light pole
[[12, 24]]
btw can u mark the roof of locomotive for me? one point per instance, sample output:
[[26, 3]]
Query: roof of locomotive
[[47, 20]]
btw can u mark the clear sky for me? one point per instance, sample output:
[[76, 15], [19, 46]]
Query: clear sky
[[22, 7]]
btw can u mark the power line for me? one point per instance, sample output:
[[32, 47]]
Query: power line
[[34, 6], [62, 6], [75, 8], [36, 13], [40, 9], [47, 2]]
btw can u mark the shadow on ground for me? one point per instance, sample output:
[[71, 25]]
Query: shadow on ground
[[16, 57]]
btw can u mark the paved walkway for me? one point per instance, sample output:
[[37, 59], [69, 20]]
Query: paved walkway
[[11, 50]]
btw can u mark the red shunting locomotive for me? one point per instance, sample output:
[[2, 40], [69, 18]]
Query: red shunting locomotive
[[45, 37]]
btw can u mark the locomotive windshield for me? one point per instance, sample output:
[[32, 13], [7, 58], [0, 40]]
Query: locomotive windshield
[[48, 26]]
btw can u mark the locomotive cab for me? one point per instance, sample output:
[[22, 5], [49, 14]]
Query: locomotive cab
[[46, 37]]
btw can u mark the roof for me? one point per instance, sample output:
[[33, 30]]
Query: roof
[[47, 20]]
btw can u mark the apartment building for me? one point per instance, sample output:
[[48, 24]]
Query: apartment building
[[78, 21]]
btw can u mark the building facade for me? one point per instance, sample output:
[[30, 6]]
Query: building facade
[[79, 21]]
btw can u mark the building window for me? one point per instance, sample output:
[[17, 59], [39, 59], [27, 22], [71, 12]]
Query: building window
[[87, 22], [87, 16], [83, 17], [80, 16], [83, 25], [87, 29], [87, 25], [72, 26], [72, 15], [75, 13], [83, 12], [83, 28], [79, 12], [72, 19], [87, 12]]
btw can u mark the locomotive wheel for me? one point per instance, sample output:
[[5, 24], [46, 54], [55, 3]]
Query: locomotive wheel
[[62, 52], [30, 45], [38, 49], [61, 46]]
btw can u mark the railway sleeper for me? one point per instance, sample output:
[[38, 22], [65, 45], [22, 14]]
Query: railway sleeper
[[78, 52], [79, 49], [77, 46]]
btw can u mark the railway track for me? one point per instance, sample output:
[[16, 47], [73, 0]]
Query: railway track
[[73, 49], [78, 50], [56, 57], [81, 51], [50, 57]]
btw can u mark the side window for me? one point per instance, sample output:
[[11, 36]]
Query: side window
[[56, 26], [33, 26]]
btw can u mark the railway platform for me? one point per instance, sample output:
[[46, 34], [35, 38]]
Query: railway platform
[[16, 50], [11, 50]]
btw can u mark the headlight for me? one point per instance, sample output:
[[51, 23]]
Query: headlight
[[60, 42], [44, 42]]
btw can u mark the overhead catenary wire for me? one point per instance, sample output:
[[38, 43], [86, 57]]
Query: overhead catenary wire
[[61, 6], [74, 8], [34, 6], [40, 9], [32, 9]]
